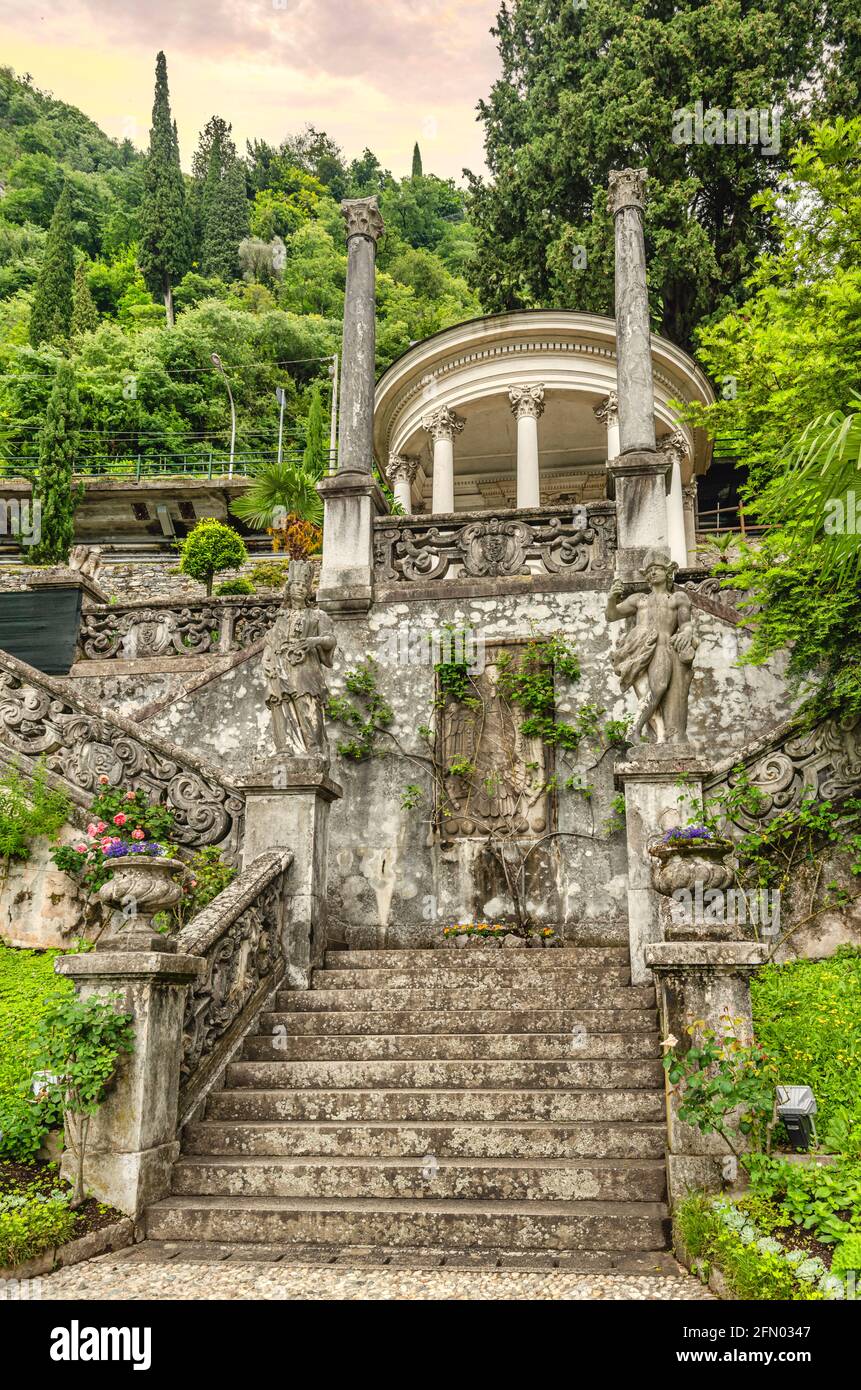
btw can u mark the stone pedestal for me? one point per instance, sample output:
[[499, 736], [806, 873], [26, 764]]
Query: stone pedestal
[[132, 1140], [639, 483], [650, 780], [708, 980], [351, 501], [287, 807]]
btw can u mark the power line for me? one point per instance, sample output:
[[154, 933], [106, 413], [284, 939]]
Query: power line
[[179, 371]]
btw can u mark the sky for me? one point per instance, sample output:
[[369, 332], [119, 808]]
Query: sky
[[375, 73]]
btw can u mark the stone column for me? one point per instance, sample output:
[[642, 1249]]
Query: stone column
[[708, 980], [287, 801], [132, 1141], [527, 402], [351, 496], [638, 477], [689, 499], [401, 473], [675, 449], [607, 414], [650, 780], [442, 426]]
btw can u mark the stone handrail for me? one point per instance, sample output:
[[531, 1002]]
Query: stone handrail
[[80, 742], [558, 540], [792, 762], [240, 935], [170, 628]]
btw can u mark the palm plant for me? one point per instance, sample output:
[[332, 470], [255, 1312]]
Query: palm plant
[[278, 490]]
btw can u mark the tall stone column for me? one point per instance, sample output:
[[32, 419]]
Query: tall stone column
[[527, 402], [674, 448], [402, 471], [689, 499], [638, 477], [352, 497], [442, 426], [607, 414]]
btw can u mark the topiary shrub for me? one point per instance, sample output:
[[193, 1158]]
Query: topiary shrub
[[240, 585], [209, 549]]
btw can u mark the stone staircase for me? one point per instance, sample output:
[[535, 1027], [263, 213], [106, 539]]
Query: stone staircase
[[507, 1100]]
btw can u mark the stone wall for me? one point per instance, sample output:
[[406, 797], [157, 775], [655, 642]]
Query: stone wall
[[42, 907], [389, 885], [147, 578]]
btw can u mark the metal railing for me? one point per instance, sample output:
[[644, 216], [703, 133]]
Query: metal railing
[[139, 466]]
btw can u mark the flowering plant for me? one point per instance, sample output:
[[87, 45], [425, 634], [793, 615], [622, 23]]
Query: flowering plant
[[686, 833], [121, 823]]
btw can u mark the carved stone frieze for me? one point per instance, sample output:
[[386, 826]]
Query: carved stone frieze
[[135, 632]]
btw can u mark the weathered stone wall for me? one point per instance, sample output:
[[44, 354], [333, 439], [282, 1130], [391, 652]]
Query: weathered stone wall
[[148, 578], [42, 907], [388, 883]]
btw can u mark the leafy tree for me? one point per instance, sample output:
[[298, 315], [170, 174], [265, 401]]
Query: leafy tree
[[589, 88], [417, 161], [53, 487], [315, 459], [85, 315], [210, 548], [164, 249], [223, 207], [52, 304]]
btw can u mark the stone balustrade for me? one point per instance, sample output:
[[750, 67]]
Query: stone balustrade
[[560, 540], [241, 935], [166, 629]]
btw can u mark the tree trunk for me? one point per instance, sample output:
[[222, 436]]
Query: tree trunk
[[168, 302], [78, 1194]]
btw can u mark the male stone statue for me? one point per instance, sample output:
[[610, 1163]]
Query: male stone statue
[[297, 647], [656, 656]]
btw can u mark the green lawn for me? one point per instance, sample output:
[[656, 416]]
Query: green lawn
[[27, 982]]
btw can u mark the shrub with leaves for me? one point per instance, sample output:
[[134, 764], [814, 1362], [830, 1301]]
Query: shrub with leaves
[[29, 807], [209, 549], [28, 988], [240, 585], [32, 1222], [724, 1087]]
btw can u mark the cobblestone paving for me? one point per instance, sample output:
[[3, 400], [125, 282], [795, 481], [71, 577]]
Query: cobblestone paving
[[113, 1278]]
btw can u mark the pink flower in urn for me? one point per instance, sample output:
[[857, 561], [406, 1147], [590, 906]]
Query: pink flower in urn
[[103, 780], [92, 830], [137, 834], [120, 819], [130, 796], [100, 827], [81, 849]]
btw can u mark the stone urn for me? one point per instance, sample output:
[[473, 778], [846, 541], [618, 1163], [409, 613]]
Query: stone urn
[[142, 885], [682, 864]]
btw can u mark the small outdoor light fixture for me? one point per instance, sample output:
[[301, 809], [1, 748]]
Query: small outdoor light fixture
[[796, 1106]]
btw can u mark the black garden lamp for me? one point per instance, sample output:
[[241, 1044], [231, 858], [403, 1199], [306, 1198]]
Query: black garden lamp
[[796, 1106]]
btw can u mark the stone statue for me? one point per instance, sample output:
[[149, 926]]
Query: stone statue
[[297, 647], [656, 656]]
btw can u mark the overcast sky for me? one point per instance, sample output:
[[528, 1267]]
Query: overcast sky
[[381, 73]]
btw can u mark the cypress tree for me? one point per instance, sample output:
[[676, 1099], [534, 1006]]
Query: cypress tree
[[85, 315], [165, 250], [51, 316], [314, 461], [224, 208], [417, 161], [53, 486]]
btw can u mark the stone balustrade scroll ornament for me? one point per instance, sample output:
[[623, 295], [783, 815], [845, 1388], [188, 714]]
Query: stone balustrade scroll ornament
[[297, 648], [135, 632], [527, 401], [656, 655]]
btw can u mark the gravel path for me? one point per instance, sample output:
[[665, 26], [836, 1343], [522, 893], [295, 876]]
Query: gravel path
[[113, 1278]]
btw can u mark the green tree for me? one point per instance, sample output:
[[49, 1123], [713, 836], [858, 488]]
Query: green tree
[[223, 207], [587, 88], [209, 549], [315, 459], [51, 318], [417, 161], [85, 315], [164, 251], [53, 487]]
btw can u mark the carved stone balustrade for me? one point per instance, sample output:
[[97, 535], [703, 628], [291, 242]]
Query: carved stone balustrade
[[241, 935], [566, 541], [80, 742], [165, 629]]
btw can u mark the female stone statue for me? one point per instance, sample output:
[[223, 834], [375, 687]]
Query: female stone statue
[[656, 656], [297, 647]]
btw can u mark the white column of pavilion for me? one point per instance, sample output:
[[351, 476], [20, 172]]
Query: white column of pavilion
[[527, 403], [676, 449], [442, 426], [607, 414]]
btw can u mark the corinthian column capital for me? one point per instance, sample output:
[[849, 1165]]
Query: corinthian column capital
[[607, 413], [402, 468], [363, 218], [442, 424], [626, 189], [527, 401], [674, 446]]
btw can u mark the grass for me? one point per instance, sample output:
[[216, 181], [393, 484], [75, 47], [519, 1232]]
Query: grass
[[27, 983]]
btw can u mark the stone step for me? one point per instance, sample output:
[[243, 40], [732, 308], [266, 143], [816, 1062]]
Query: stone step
[[494, 1022], [417, 1106], [486, 995], [491, 972], [452, 1225], [507, 958], [426, 1178], [474, 1076], [506, 1138], [279, 1045]]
